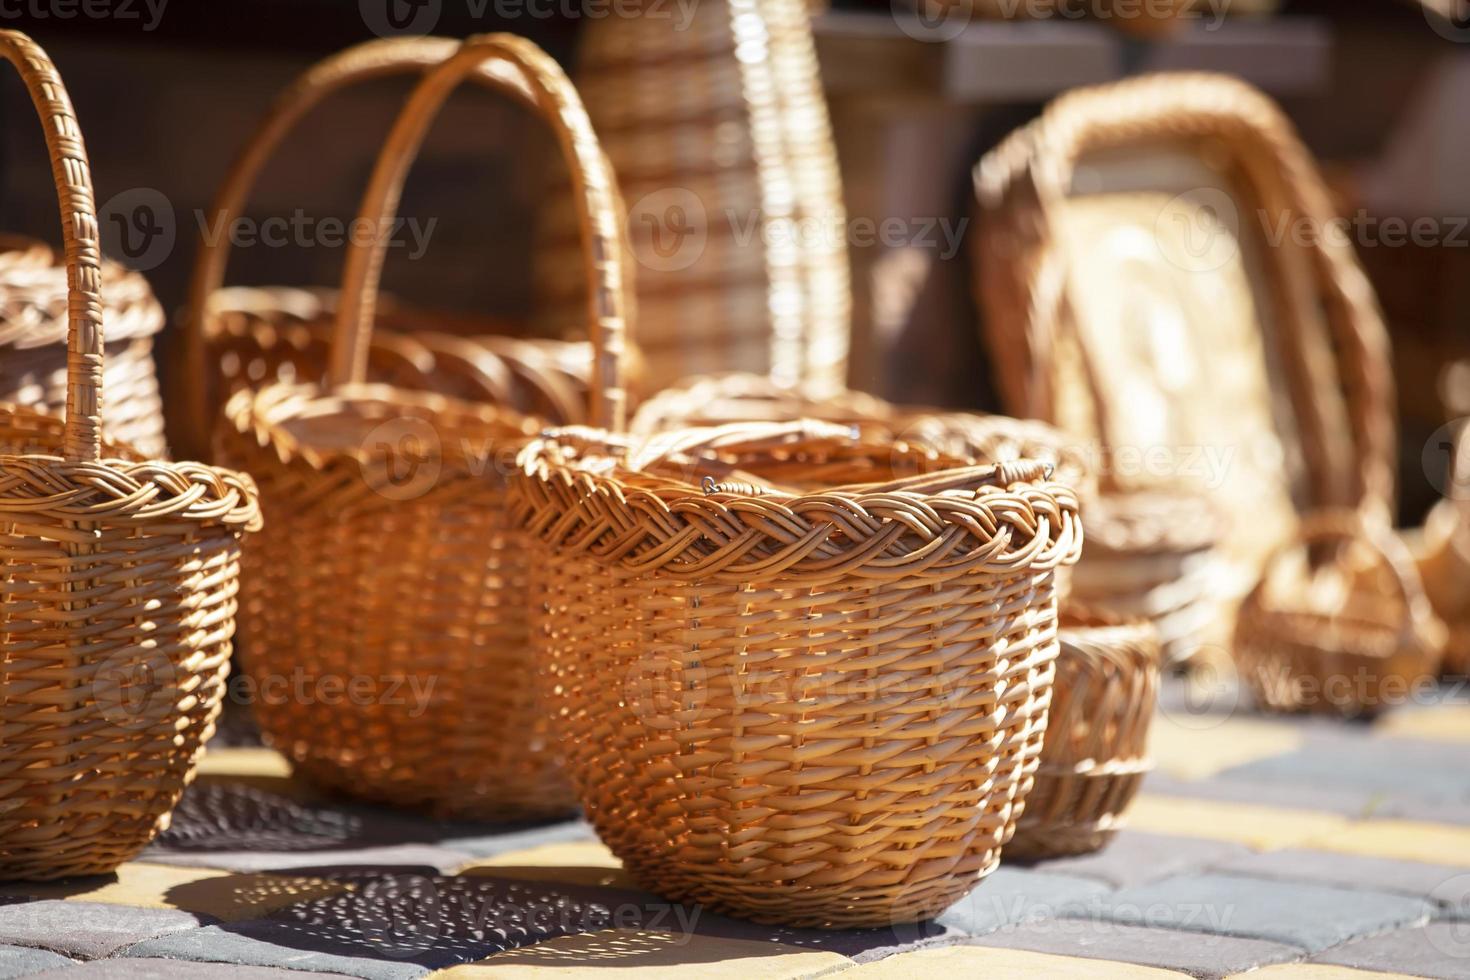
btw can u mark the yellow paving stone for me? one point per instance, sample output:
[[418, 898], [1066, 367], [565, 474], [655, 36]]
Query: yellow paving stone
[[1189, 747], [1263, 828], [221, 894], [1001, 964], [258, 768], [573, 863], [1405, 840], [1316, 971], [1442, 722], [613, 953]]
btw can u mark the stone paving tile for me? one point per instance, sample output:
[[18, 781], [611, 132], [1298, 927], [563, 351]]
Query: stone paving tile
[[1412, 768], [1316, 971], [1199, 746], [395, 855], [1259, 827], [654, 954], [87, 929], [1344, 801], [482, 842], [574, 862], [254, 944], [1439, 949], [1407, 840], [129, 968], [1136, 856], [1001, 964], [1346, 870], [1312, 917], [1014, 895], [17, 961], [1200, 955]]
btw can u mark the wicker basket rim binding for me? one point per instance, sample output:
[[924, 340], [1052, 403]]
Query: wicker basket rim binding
[[33, 275], [67, 810], [379, 58], [1035, 165]]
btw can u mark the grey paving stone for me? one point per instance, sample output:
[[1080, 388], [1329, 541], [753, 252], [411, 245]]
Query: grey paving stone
[[1439, 949], [128, 968], [481, 842], [1429, 811], [1237, 789], [87, 929], [1394, 767], [1313, 917], [242, 946], [394, 855], [17, 961], [1347, 870], [1015, 895], [1134, 857], [1169, 949]]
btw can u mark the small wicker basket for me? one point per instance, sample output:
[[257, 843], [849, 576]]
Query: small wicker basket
[[800, 678], [390, 553], [118, 578], [1096, 751], [1353, 638], [241, 337]]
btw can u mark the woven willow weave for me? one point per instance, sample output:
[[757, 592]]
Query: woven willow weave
[[799, 678], [389, 554], [247, 337], [1096, 751], [118, 578]]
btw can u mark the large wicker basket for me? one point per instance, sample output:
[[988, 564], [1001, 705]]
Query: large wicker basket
[[1096, 751], [800, 678], [391, 554], [241, 337], [118, 578], [1352, 635], [718, 131], [33, 331], [1133, 293]]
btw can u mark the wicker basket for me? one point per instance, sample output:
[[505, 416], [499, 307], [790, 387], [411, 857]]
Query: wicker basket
[[1123, 303], [719, 134], [118, 579], [1354, 637], [800, 678], [1443, 559], [390, 554], [33, 325], [241, 337], [1096, 751]]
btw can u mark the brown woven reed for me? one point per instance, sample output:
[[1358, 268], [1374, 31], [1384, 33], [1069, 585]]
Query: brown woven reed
[[1096, 751], [33, 324], [1290, 359], [800, 678], [117, 584], [247, 337], [390, 553], [718, 131], [1353, 639]]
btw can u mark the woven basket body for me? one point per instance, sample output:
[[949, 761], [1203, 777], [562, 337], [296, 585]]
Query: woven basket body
[[33, 297], [243, 337], [118, 581], [1133, 293], [801, 708], [1355, 638], [719, 134], [388, 555], [1096, 751]]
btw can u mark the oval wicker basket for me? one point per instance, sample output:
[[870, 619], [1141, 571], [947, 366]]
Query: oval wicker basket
[[800, 678], [118, 578], [390, 553], [1353, 638], [1096, 750], [242, 337], [33, 331]]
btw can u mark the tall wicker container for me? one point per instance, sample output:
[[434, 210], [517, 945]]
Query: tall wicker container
[[800, 677], [392, 553], [118, 578], [719, 134]]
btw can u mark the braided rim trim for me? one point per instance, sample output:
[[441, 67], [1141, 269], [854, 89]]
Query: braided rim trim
[[575, 493]]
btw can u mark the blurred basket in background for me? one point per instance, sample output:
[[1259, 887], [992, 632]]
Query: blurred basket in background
[[719, 135], [800, 677], [118, 578], [1096, 751], [389, 551], [1442, 554]]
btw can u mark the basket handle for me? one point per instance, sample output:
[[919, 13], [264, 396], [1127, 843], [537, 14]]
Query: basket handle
[[72, 174], [1265, 146], [518, 64], [365, 62]]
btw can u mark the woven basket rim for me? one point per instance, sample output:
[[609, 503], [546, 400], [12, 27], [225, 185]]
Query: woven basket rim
[[1152, 522], [130, 308]]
